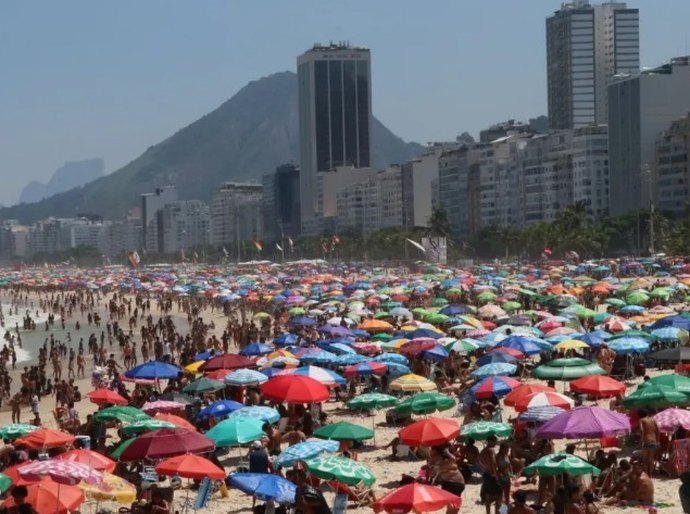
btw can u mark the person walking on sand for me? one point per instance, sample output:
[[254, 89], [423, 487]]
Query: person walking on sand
[[490, 492], [650, 440], [81, 361], [16, 404]]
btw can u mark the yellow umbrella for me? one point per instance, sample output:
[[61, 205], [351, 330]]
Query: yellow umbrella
[[571, 344], [280, 353], [262, 315], [113, 488], [193, 367], [398, 343], [471, 320], [412, 383]]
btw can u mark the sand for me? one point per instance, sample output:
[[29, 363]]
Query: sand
[[373, 455]]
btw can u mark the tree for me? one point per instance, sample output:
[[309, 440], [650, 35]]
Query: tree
[[439, 226]]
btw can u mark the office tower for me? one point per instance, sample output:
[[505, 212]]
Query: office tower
[[151, 206], [334, 116], [236, 215], [186, 224], [281, 203], [586, 45], [673, 169], [640, 107]]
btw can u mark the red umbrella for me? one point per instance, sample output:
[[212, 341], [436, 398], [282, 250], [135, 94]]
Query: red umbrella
[[96, 460], [105, 396], [13, 473], [45, 438], [190, 466], [167, 442], [295, 389], [175, 420], [524, 390], [418, 498], [418, 345], [226, 361], [219, 374], [429, 432], [544, 398], [510, 351], [48, 497], [598, 385]]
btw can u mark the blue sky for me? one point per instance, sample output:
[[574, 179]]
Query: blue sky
[[83, 78]]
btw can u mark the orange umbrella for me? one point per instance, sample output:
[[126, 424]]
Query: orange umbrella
[[598, 385], [105, 396], [429, 432], [48, 497], [190, 466], [376, 325], [175, 420], [45, 438], [523, 391], [90, 458]]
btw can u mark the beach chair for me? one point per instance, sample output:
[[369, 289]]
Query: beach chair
[[360, 498]]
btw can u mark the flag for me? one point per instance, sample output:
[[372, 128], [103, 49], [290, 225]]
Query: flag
[[416, 245], [324, 247], [336, 240], [546, 252], [258, 245], [134, 259], [279, 247], [225, 252]]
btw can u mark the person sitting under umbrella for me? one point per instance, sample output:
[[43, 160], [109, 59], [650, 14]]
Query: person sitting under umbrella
[[519, 504], [21, 506], [157, 505], [637, 487]]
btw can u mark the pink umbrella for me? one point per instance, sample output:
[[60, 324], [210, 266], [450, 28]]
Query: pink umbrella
[[162, 406], [672, 419], [61, 471], [417, 345]]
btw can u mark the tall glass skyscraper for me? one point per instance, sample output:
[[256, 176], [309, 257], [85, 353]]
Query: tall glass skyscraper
[[334, 117]]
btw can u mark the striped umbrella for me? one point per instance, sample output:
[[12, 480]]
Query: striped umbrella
[[162, 406], [366, 369], [265, 414], [323, 375], [304, 451], [412, 383], [15, 430], [672, 419], [490, 386], [540, 414], [482, 430], [245, 377], [61, 471], [342, 469]]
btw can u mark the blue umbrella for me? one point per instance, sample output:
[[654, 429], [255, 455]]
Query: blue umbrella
[[631, 344], [391, 357], [349, 359], [264, 486], [256, 349], [269, 372], [454, 310], [423, 332], [321, 357], [358, 332], [245, 377], [153, 370], [302, 321], [286, 339], [437, 353], [668, 334], [396, 369], [540, 414], [496, 357], [494, 369], [339, 348], [265, 414], [219, 408], [678, 321], [593, 340], [632, 309], [305, 450], [526, 345], [498, 387], [203, 356], [335, 330]]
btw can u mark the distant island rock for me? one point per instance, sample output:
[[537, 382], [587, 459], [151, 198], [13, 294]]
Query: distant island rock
[[72, 174]]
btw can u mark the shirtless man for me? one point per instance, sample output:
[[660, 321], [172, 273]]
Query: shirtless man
[[274, 439], [605, 358], [294, 436], [57, 365], [81, 361], [490, 492], [650, 440], [519, 506], [640, 487]]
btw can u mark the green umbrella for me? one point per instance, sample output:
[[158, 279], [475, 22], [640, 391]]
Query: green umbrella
[[382, 337], [145, 425], [124, 413], [439, 302], [654, 396], [436, 319], [661, 292], [5, 483], [637, 298], [344, 431], [633, 333], [679, 383], [559, 463], [236, 430], [425, 403], [567, 369], [16, 430], [203, 385], [579, 310], [527, 292], [616, 302], [340, 468], [485, 296], [482, 430], [296, 311], [462, 346], [511, 306], [420, 312], [370, 401], [122, 447]]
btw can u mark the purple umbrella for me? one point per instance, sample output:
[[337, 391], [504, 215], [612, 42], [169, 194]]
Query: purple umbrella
[[585, 423], [335, 330]]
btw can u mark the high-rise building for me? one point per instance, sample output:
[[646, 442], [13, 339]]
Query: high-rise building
[[672, 169], [334, 116], [587, 45], [236, 214], [640, 107], [151, 206], [186, 224], [418, 178], [281, 203]]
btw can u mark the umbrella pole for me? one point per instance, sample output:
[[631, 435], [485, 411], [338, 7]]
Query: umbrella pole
[[373, 424]]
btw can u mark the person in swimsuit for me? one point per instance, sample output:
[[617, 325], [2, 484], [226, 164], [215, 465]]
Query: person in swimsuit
[[505, 474], [650, 440]]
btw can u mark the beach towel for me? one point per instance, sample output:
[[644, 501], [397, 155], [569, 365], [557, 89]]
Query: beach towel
[[680, 457]]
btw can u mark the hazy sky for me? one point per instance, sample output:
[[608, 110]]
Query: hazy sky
[[85, 78]]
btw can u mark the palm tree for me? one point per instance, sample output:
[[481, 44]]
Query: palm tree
[[438, 223], [507, 235]]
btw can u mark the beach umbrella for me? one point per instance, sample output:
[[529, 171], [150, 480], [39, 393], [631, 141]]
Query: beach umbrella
[[425, 403], [105, 396], [586, 422], [317, 357], [253, 349], [370, 401], [567, 369], [61, 471], [598, 385], [264, 486], [482, 430], [229, 361], [654, 396], [175, 396], [14, 430], [429, 432], [115, 454], [162, 406], [628, 345], [677, 354], [265, 414], [5, 483], [45, 438], [113, 488], [219, 408], [678, 321], [412, 383], [376, 325], [671, 335], [166, 442], [177, 421], [544, 398], [540, 414], [90, 458], [497, 356], [680, 383], [490, 386], [418, 345], [245, 377], [388, 358], [235, 431], [123, 413], [344, 431], [305, 450], [286, 339], [190, 466], [672, 419], [342, 469], [494, 369], [145, 425], [295, 389], [322, 375], [525, 345], [592, 340], [203, 385], [571, 344], [416, 497], [154, 370], [48, 497], [193, 367], [366, 369], [523, 391], [561, 463]]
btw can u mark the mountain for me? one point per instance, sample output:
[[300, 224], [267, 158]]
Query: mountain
[[245, 138], [72, 174]]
